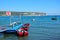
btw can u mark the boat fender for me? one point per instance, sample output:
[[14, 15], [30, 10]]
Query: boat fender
[[22, 33]]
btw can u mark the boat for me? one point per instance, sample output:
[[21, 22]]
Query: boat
[[16, 27], [12, 26]]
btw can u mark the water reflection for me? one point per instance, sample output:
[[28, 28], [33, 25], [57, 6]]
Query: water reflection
[[22, 38], [1, 36], [11, 37]]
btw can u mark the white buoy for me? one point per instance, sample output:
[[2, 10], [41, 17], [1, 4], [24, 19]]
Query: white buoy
[[33, 19]]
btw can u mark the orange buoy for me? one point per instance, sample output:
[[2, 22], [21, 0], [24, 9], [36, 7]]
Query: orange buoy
[[25, 33], [20, 34]]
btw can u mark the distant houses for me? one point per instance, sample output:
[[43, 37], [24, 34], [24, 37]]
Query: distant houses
[[8, 13]]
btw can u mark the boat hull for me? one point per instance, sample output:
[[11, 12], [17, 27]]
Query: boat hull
[[10, 31]]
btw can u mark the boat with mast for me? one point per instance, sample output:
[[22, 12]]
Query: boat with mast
[[15, 27]]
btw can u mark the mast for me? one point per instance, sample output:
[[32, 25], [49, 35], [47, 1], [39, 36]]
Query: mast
[[9, 14]]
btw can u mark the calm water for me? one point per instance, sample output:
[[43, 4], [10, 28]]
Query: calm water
[[42, 28]]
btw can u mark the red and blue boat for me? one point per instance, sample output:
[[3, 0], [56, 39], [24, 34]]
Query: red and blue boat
[[16, 27]]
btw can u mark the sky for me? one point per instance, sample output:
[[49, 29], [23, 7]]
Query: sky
[[51, 7]]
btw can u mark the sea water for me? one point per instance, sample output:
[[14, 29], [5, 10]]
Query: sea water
[[41, 27]]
